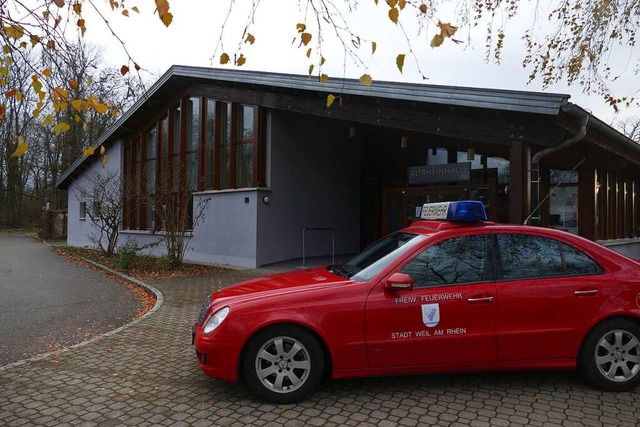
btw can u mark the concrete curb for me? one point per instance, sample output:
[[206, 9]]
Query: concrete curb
[[148, 288]]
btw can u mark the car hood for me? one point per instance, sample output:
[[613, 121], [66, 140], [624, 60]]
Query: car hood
[[278, 284]]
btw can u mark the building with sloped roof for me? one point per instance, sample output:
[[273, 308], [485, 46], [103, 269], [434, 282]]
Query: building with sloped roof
[[285, 175]]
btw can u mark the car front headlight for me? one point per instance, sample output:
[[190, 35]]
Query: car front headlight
[[215, 320]]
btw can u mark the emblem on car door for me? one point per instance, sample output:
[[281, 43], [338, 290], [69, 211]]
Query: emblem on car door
[[430, 314]]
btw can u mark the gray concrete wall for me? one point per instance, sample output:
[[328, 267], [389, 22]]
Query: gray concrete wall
[[79, 230], [313, 172]]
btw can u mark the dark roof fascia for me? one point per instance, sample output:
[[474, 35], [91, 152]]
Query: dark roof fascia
[[609, 132], [508, 100], [496, 99]]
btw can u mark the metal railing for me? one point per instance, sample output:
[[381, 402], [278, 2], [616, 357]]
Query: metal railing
[[304, 242]]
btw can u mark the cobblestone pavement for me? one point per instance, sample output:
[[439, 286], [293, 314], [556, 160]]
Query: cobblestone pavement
[[147, 375]]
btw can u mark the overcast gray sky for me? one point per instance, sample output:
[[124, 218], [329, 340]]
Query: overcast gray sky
[[192, 38]]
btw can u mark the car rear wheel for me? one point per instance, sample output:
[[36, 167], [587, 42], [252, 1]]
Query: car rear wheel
[[610, 357], [283, 364]]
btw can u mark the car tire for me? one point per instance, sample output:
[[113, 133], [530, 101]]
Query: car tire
[[610, 355], [283, 364]]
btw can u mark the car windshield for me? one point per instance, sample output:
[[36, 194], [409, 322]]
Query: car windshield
[[376, 257]]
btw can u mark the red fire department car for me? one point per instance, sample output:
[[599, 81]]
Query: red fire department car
[[450, 293]]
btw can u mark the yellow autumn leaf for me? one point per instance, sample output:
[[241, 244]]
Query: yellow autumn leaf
[[393, 15], [392, 3], [400, 61], [102, 150], [47, 120], [10, 93], [374, 46], [437, 40], [125, 13], [59, 3], [21, 148], [241, 60], [301, 28], [162, 6], [311, 69], [366, 79], [100, 108], [89, 80], [447, 30], [402, 4], [323, 78], [77, 104], [309, 53], [224, 58], [135, 9], [322, 61], [36, 113], [4, 71], [61, 128], [166, 19], [77, 8], [41, 95], [88, 151], [37, 86], [34, 40], [105, 160], [19, 96], [14, 31], [47, 72], [250, 39], [305, 38], [423, 8], [330, 99]]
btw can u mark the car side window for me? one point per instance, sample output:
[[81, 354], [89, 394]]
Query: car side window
[[524, 256], [579, 263], [457, 260]]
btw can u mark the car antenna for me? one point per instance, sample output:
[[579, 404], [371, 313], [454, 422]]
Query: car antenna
[[526, 221]]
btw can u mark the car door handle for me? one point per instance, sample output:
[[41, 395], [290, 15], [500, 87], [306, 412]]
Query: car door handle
[[586, 293], [480, 300]]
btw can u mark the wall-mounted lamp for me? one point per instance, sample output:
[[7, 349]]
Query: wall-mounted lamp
[[471, 154], [352, 131], [266, 200], [404, 141]]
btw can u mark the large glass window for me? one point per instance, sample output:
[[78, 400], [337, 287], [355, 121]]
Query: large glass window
[[458, 260], [244, 145], [200, 144]]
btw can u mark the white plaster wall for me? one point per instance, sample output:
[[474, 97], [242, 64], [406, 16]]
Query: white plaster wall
[[78, 230], [227, 234], [313, 174]]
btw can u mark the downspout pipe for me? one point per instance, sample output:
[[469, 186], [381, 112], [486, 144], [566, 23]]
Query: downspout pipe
[[582, 121]]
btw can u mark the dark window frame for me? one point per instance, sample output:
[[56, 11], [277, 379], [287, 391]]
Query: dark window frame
[[137, 201]]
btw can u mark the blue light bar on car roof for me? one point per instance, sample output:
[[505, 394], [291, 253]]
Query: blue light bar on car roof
[[461, 211]]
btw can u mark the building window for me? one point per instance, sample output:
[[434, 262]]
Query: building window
[[201, 144], [83, 210]]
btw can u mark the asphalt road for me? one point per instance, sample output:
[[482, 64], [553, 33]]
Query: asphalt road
[[47, 303]]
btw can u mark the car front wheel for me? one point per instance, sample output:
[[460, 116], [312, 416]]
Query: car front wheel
[[283, 364], [610, 357]]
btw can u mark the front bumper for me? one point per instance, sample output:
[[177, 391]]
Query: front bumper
[[217, 355]]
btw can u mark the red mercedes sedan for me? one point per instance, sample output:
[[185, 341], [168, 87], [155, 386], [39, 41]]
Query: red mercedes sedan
[[450, 293]]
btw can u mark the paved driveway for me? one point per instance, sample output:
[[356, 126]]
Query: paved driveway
[[147, 375], [47, 303]]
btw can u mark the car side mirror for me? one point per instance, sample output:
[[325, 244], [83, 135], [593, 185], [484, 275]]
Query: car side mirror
[[398, 282]]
